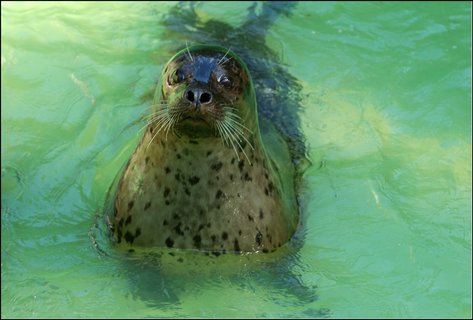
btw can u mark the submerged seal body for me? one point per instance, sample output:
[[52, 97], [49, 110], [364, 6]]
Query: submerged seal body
[[200, 177]]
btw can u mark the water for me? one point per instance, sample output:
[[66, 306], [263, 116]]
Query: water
[[387, 118]]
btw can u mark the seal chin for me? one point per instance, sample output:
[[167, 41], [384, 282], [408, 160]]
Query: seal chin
[[195, 127]]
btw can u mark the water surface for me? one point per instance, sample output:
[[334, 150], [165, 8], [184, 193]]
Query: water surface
[[387, 119]]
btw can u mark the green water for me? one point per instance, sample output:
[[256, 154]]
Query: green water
[[387, 118]]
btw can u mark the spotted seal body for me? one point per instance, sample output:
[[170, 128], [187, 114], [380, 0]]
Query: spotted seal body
[[200, 177]]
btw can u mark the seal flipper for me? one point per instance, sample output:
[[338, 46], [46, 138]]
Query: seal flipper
[[269, 13]]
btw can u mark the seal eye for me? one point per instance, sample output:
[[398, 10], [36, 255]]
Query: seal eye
[[176, 76], [223, 80]]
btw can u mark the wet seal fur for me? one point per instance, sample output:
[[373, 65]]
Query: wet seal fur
[[200, 177]]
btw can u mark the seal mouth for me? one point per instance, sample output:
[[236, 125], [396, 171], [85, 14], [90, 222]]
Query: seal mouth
[[195, 119], [201, 114], [195, 125]]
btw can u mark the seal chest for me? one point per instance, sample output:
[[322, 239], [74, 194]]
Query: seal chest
[[200, 177]]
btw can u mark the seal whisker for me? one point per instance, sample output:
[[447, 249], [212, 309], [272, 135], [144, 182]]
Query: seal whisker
[[235, 138], [230, 109], [179, 109], [218, 63], [151, 116], [218, 127], [162, 123], [164, 110], [151, 121], [240, 135], [174, 118], [164, 119], [230, 130], [167, 125], [190, 55], [227, 137], [157, 113], [235, 127], [156, 118], [235, 118], [237, 123], [232, 115], [152, 138]]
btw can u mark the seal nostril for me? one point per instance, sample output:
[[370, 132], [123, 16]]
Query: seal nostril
[[205, 97], [190, 96]]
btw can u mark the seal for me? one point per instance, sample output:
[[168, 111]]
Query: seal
[[200, 177]]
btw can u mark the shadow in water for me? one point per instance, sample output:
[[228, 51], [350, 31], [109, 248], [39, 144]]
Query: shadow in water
[[165, 279]]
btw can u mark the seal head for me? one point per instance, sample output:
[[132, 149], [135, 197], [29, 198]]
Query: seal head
[[205, 90]]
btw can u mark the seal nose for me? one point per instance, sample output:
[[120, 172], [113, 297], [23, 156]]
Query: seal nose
[[198, 96]]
